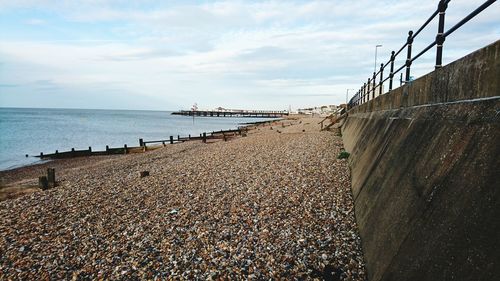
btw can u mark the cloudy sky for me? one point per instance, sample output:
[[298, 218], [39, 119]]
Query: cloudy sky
[[167, 55]]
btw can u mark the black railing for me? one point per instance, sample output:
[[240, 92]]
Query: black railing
[[371, 87]]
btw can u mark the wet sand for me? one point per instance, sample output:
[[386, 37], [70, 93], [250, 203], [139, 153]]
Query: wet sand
[[275, 204]]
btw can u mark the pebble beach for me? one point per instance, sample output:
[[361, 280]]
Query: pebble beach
[[275, 204]]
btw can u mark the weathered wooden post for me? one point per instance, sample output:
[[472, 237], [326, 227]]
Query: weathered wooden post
[[90, 148], [107, 148], [171, 140], [141, 142], [224, 137], [163, 143], [51, 177], [41, 154], [43, 183], [204, 137], [178, 137], [189, 137]]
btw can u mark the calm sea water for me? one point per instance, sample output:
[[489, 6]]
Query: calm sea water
[[31, 131]]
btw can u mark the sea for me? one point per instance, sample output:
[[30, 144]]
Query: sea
[[29, 131]]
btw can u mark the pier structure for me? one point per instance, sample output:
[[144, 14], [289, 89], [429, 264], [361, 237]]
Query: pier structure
[[233, 113]]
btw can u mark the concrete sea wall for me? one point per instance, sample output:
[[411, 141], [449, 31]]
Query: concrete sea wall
[[425, 168]]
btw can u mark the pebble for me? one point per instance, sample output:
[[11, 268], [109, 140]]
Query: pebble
[[267, 206]]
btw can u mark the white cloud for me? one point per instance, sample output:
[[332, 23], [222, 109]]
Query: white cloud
[[227, 53]]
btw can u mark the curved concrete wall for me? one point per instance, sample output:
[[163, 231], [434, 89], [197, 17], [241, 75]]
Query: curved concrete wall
[[425, 168]]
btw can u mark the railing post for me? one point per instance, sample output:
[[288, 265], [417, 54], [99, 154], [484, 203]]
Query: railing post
[[440, 35], [374, 84], [409, 41], [381, 79], [392, 70], [364, 92], [368, 90]]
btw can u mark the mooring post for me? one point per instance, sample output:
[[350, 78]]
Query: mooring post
[[204, 137], [43, 183], [171, 140], [90, 148], [141, 142], [51, 177], [107, 148]]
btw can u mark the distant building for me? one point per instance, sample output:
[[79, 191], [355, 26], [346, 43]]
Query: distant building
[[319, 110]]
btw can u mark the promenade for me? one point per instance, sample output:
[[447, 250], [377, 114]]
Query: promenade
[[275, 204]]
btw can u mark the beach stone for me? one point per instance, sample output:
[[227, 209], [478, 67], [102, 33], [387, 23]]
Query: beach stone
[[268, 206]]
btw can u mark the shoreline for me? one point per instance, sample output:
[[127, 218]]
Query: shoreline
[[16, 167], [13, 182], [275, 204]]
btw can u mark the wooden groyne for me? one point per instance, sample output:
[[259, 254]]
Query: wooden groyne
[[232, 113], [143, 145]]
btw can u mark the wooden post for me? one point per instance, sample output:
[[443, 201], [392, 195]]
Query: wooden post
[[73, 149], [107, 148], [163, 143], [57, 151], [43, 183], [189, 137], [141, 142], [125, 148], [204, 137], [178, 137], [51, 177], [224, 137], [171, 140], [90, 149], [41, 154]]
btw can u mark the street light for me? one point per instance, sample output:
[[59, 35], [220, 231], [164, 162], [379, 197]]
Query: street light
[[375, 66], [347, 96]]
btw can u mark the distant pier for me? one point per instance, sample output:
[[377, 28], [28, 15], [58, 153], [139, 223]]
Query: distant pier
[[232, 113]]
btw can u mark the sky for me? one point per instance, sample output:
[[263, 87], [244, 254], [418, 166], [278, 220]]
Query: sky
[[168, 55]]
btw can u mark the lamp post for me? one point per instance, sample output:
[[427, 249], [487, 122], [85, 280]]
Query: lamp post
[[375, 66], [347, 96]]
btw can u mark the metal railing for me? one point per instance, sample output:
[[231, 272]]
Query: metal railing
[[371, 86]]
